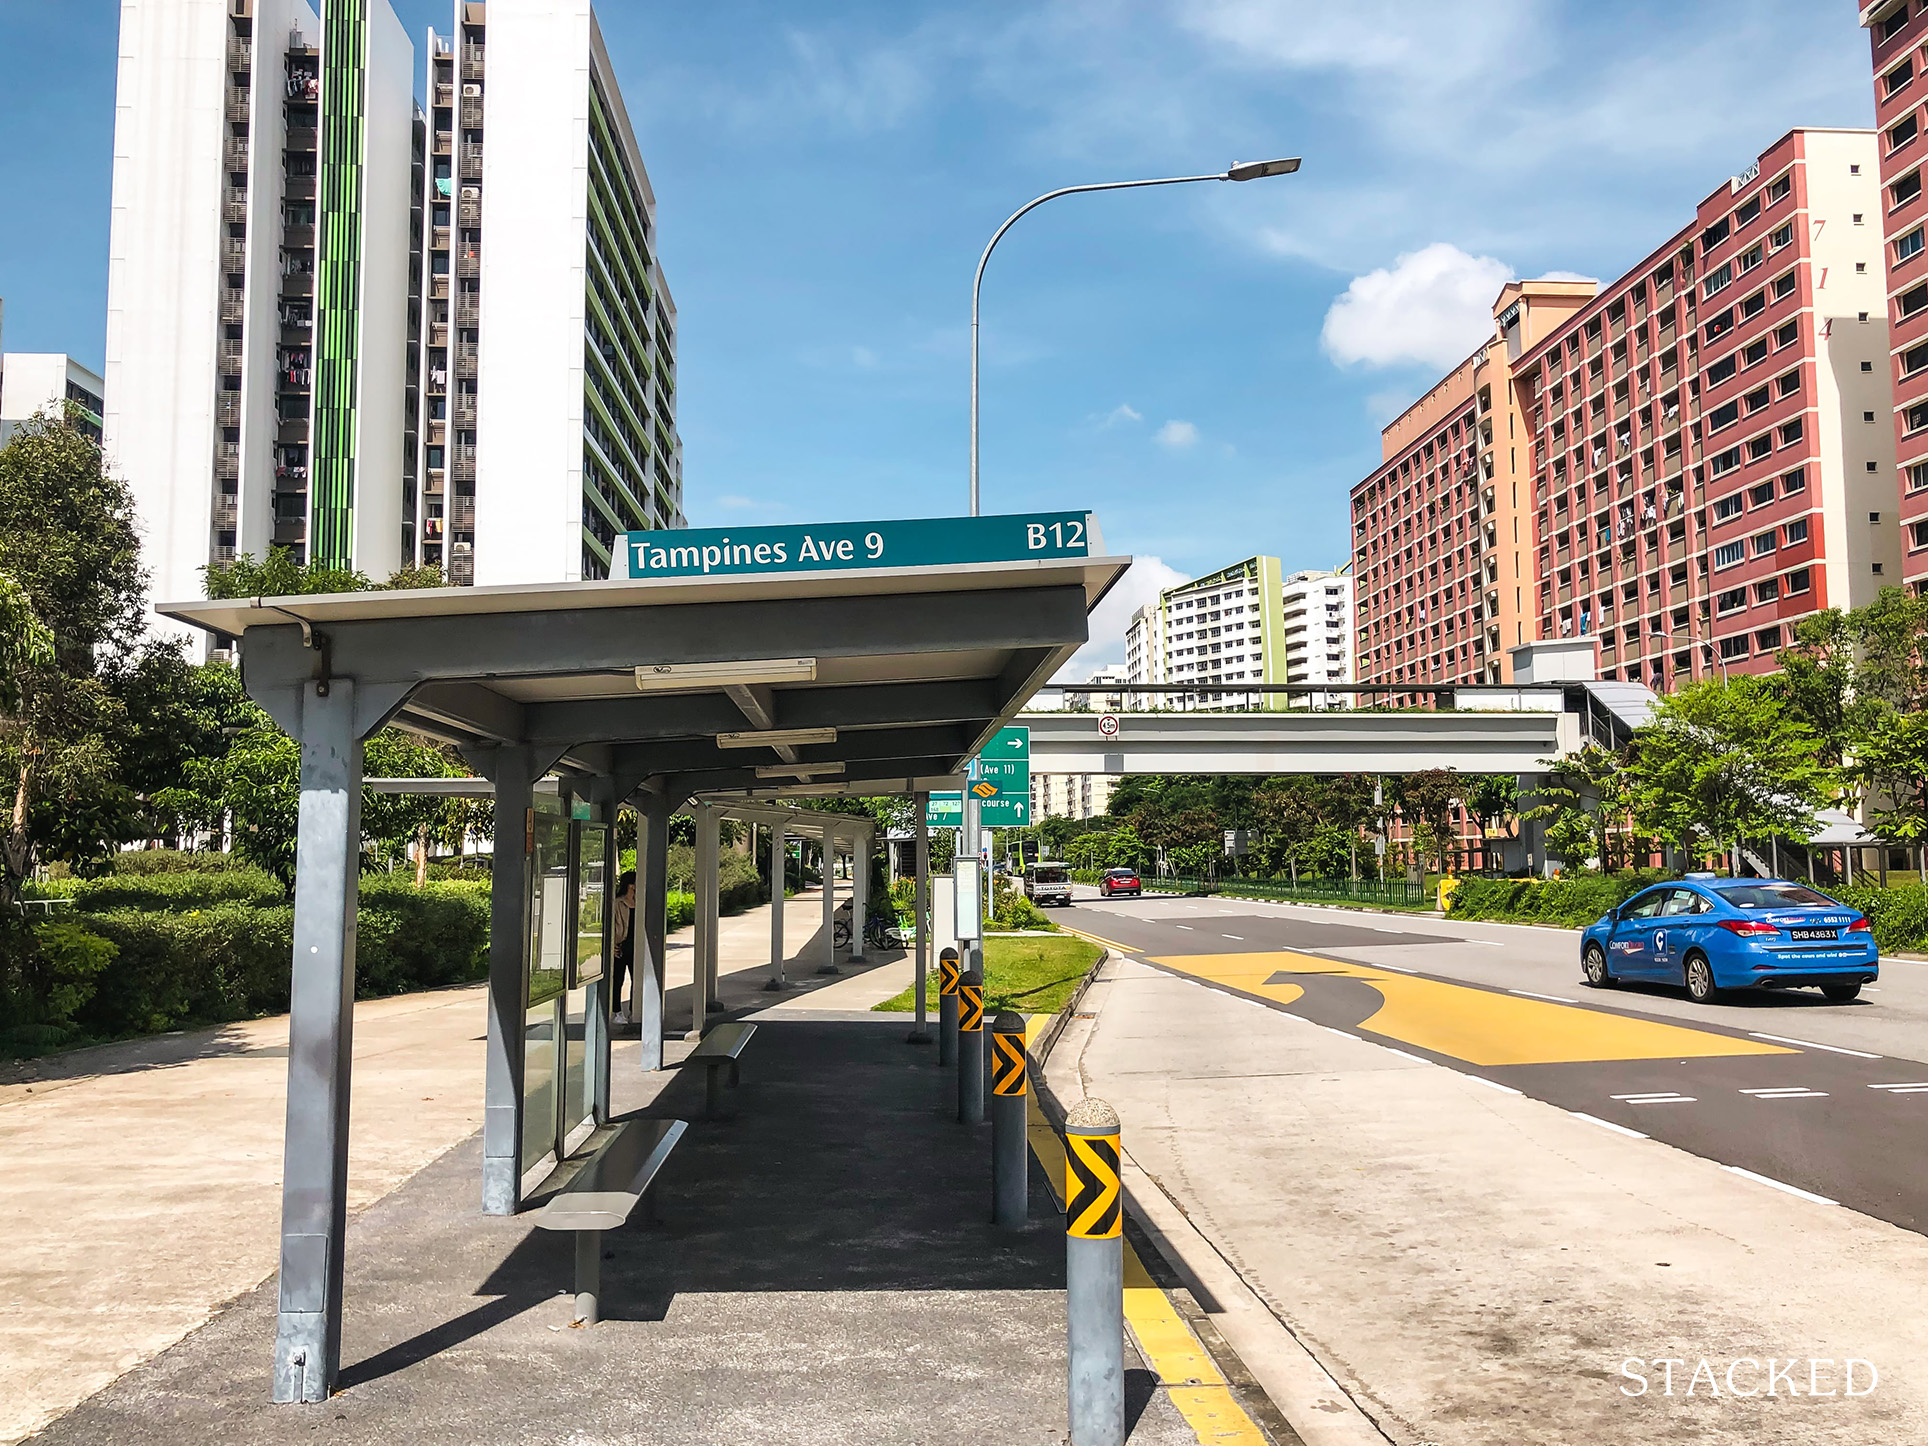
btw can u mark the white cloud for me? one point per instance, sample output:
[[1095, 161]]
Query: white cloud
[[1433, 306], [1123, 412], [1177, 435], [1142, 582], [863, 356]]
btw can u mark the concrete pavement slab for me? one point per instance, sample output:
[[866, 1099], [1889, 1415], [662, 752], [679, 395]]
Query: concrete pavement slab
[[825, 1272], [1474, 1266]]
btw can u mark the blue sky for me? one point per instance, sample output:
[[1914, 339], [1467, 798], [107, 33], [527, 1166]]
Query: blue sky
[[1206, 367]]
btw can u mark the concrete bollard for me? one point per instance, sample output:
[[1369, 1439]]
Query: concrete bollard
[[1010, 1142], [970, 1048], [1094, 1276], [949, 972]]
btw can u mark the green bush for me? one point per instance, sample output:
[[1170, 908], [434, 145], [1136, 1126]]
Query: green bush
[[1018, 912], [176, 861], [1899, 915], [1571, 902], [202, 966], [679, 911], [163, 891]]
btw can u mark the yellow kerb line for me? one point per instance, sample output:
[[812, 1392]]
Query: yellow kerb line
[[1099, 939], [1184, 1367]]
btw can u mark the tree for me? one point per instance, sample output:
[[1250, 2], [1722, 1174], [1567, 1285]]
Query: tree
[[1292, 812], [1429, 797], [1893, 756], [68, 544], [1492, 798], [1584, 806], [281, 576], [1724, 762]]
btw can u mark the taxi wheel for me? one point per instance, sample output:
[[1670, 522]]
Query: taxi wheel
[[1700, 979], [1840, 993], [1594, 961]]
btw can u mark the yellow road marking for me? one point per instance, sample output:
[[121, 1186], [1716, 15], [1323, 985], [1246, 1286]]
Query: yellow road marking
[[1099, 939], [1474, 1025], [1184, 1367]]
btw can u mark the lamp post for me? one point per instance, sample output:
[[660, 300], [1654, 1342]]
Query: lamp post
[[1706, 643], [1243, 171]]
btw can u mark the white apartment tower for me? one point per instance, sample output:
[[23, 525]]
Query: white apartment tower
[[33, 382], [258, 375], [549, 331], [1316, 613], [309, 345]]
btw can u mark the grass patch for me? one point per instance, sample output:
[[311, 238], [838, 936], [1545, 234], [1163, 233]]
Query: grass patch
[[1030, 975]]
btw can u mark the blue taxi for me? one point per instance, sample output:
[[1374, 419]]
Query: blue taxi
[[1709, 934]]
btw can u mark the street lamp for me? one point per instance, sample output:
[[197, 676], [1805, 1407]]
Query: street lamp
[[1243, 171], [1690, 639]]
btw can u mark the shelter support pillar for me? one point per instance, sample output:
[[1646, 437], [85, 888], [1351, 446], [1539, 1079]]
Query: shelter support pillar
[[514, 768], [701, 985], [600, 1005], [859, 890], [314, 1180], [652, 900], [920, 1032], [779, 871], [829, 965]]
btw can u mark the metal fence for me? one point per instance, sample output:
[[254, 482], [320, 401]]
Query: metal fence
[[1398, 893]]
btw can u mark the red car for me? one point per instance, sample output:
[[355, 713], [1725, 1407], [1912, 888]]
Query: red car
[[1120, 881]]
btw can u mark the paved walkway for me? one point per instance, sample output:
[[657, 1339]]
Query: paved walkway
[[825, 1272], [1477, 1267]]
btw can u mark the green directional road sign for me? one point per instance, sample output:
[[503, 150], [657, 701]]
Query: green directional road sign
[[945, 810], [1002, 779], [854, 546]]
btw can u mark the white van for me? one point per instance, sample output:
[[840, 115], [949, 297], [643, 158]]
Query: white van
[[1046, 884]]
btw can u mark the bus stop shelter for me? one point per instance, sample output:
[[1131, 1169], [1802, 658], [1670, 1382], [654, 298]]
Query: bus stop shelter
[[649, 690]]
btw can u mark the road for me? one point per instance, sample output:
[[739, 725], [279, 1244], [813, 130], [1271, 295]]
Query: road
[[1480, 1193], [1825, 1098]]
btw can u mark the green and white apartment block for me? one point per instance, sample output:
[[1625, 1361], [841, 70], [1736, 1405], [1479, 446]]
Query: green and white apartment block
[[308, 343], [1249, 623]]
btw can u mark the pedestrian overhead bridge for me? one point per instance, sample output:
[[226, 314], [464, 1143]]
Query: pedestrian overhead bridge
[[720, 692], [1516, 730]]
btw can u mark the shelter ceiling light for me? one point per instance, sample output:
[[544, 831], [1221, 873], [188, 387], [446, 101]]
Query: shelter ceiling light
[[665, 677], [798, 770], [776, 737]]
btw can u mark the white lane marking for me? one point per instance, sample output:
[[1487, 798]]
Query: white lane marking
[[1555, 998], [1421, 1059], [1186, 927], [1396, 968], [1810, 1044], [1663, 1097], [1778, 1185], [1382, 929], [1904, 1089], [1239, 937], [1493, 1084], [1340, 1032], [1609, 1125], [1788, 1092]]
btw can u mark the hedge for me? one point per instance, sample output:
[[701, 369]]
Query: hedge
[[224, 960], [1899, 915]]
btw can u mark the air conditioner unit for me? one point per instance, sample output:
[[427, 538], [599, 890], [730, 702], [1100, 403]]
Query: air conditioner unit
[[471, 88]]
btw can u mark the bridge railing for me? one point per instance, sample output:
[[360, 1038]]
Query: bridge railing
[[1394, 893]]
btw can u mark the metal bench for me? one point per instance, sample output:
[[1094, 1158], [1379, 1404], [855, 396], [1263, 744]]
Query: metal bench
[[723, 1045], [604, 1193]]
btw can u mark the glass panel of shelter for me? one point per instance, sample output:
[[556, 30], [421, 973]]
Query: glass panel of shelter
[[587, 943], [547, 974]]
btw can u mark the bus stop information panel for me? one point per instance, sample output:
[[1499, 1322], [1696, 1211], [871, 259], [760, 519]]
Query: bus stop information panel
[[857, 546]]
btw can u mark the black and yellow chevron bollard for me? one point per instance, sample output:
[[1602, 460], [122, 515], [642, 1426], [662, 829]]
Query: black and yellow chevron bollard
[[949, 972], [1094, 1276], [970, 1048], [1010, 1142]]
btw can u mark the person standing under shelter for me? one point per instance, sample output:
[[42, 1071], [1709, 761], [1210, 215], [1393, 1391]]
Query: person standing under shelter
[[623, 930]]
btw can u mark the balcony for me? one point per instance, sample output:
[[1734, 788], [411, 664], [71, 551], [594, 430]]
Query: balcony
[[298, 188], [227, 408], [469, 213], [463, 411], [438, 238], [469, 263], [236, 109], [240, 53], [226, 506], [466, 355], [298, 283], [302, 139], [471, 111], [291, 431], [462, 513], [234, 210], [228, 353], [473, 59], [464, 468], [233, 307], [444, 93], [234, 153], [298, 238], [438, 288], [471, 159]]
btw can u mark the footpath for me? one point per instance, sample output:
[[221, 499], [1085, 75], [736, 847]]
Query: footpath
[[824, 1271], [1426, 1258]]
